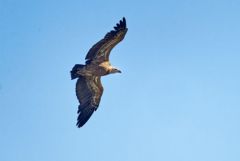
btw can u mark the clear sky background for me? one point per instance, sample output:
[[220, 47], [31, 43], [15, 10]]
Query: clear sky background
[[178, 98]]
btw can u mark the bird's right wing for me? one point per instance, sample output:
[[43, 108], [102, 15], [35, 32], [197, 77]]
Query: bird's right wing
[[89, 91]]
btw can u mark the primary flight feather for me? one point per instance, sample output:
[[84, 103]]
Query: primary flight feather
[[89, 89]]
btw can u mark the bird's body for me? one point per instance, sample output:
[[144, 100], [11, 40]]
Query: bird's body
[[91, 69], [89, 88]]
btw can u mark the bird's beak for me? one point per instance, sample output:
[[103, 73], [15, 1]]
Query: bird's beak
[[119, 71]]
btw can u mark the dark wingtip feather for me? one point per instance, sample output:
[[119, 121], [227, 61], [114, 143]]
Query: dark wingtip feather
[[121, 25], [124, 21], [84, 116]]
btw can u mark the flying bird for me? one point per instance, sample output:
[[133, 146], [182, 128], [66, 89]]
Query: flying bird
[[89, 88]]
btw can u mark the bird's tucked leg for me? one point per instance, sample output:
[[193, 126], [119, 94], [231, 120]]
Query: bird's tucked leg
[[75, 69]]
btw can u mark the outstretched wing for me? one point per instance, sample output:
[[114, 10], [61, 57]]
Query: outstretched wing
[[89, 91], [100, 51]]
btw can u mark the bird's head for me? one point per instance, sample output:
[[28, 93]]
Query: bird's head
[[115, 70]]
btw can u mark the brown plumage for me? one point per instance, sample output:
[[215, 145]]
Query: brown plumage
[[89, 88]]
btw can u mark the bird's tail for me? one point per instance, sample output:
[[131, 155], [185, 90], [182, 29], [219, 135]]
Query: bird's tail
[[74, 70]]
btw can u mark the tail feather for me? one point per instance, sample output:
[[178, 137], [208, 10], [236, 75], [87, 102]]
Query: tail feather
[[75, 69]]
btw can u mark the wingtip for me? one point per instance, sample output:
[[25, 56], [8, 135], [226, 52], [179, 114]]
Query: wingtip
[[84, 116], [124, 22], [121, 25]]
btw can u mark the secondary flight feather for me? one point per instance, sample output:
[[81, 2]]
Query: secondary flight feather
[[89, 88]]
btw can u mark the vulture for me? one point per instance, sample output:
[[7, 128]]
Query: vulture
[[89, 88]]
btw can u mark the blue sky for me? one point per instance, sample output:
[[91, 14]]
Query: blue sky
[[177, 99]]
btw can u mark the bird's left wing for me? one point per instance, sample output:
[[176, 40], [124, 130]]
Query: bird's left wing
[[101, 50], [89, 92]]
